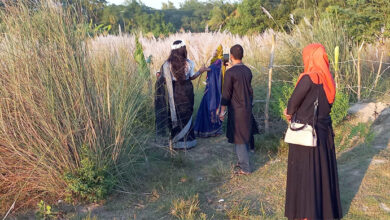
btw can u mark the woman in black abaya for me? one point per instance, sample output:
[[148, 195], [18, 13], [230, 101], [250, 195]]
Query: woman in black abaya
[[312, 180]]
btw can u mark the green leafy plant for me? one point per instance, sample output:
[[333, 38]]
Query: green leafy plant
[[143, 68], [340, 107], [89, 182], [281, 93], [44, 211], [95, 29]]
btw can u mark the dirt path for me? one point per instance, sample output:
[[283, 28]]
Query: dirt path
[[365, 174]]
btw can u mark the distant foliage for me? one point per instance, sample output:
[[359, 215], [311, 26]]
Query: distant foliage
[[362, 19], [340, 107], [135, 17]]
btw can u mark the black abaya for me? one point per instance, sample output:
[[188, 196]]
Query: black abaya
[[312, 180]]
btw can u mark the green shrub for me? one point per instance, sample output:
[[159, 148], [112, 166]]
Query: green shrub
[[143, 69], [340, 107], [89, 182], [281, 93]]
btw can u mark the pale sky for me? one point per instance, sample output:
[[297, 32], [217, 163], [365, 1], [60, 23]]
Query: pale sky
[[151, 3]]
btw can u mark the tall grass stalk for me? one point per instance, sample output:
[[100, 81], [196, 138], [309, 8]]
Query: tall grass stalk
[[57, 95]]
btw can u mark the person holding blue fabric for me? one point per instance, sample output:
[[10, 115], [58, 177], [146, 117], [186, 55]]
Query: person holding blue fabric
[[174, 97], [207, 122]]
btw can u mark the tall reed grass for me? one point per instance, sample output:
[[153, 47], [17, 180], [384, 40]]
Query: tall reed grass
[[59, 94], [288, 58]]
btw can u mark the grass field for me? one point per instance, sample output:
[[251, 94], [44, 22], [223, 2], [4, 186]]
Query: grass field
[[77, 124], [191, 185], [198, 184]]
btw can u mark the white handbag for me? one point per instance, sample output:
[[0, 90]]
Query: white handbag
[[303, 134]]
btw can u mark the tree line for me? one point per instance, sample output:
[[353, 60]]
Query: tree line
[[366, 20]]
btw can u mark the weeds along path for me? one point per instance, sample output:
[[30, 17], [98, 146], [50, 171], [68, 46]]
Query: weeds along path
[[198, 184]]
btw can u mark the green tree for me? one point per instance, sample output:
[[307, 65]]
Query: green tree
[[197, 15], [250, 18], [220, 14], [92, 9], [364, 19], [135, 17], [168, 6]]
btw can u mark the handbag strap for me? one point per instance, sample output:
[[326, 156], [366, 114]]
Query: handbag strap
[[314, 114], [316, 108]]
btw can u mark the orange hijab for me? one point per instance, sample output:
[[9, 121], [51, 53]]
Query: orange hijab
[[316, 65]]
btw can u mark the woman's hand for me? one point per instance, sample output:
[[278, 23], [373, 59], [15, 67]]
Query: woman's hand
[[200, 71], [203, 69], [288, 117]]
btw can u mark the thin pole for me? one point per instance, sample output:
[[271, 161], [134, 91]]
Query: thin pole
[[271, 62], [359, 72], [379, 70]]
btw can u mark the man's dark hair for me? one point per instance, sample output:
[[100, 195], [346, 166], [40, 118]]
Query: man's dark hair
[[237, 51]]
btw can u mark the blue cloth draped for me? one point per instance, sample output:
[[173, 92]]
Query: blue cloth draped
[[207, 122]]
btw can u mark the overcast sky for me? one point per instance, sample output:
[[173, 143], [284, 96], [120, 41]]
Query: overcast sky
[[151, 3]]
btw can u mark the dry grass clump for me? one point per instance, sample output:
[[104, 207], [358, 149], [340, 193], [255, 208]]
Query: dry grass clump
[[187, 208], [58, 95]]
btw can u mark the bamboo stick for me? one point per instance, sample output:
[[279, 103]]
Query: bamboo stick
[[379, 70], [359, 72], [271, 62]]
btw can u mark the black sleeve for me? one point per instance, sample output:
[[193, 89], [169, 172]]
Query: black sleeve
[[227, 89], [250, 86], [298, 95]]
